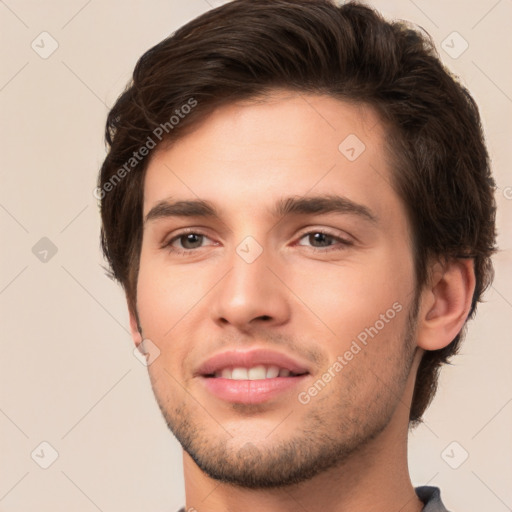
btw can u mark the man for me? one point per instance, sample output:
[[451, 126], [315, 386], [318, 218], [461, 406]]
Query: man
[[298, 203]]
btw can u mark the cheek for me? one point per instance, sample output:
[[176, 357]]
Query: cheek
[[347, 297], [165, 294], [167, 301]]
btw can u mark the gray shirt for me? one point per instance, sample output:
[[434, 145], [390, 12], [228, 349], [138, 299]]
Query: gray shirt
[[431, 497]]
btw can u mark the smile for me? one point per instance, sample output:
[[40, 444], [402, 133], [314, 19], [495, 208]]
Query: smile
[[259, 372]]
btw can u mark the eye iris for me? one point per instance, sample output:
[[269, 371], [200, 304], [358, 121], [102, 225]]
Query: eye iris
[[190, 238], [320, 237]]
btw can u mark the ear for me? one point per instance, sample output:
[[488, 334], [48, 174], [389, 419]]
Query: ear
[[445, 303], [134, 326]]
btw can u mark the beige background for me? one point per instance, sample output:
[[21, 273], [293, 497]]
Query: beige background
[[69, 376]]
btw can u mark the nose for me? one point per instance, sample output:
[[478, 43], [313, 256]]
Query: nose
[[251, 293]]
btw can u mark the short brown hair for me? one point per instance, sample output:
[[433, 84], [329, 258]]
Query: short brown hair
[[248, 48]]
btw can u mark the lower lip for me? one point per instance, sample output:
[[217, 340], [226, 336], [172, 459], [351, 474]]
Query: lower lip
[[250, 391]]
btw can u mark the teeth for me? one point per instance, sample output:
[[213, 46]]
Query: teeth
[[272, 372], [239, 374], [259, 372]]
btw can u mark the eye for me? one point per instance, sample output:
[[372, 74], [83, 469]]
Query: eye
[[188, 242], [325, 240], [185, 242]]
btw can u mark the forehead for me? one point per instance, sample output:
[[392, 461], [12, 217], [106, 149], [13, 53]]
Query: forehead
[[247, 155]]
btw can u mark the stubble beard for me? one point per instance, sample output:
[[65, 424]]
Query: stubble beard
[[332, 431]]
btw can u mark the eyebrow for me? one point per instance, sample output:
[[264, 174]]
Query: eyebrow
[[295, 205]]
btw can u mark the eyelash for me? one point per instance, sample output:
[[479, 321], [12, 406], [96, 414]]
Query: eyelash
[[188, 252]]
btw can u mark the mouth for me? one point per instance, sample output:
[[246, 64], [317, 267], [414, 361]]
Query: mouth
[[251, 377], [242, 390]]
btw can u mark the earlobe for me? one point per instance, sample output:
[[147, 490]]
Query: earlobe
[[134, 327], [445, 303]]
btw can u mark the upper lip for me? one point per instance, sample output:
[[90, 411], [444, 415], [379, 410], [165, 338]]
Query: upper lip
[[248, 359]]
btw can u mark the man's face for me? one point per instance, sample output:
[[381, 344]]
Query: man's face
[[255, 279]]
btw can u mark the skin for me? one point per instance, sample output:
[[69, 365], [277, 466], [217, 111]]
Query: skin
[[284, 455]]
